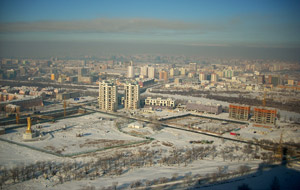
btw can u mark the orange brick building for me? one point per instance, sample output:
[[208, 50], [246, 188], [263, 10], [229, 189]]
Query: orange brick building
[[265, 116], [239, 112]]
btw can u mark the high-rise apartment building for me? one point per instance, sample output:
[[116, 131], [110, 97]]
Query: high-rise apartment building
[[163, 75], [214, 77], [193, 66], [108, 96], [261, 79], [202, 76], [130, 73], [132, 96], [144, 71], [151, 72]]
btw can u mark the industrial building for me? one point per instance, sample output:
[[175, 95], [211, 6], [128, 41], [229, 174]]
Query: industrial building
[[24, 102], [132, 96], [159, 103], [146, 82], [108, 98], [207, 108], [239, 112], [265, 116], [64, 96]]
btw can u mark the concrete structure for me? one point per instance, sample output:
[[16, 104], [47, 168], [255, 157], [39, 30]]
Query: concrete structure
[[136, 125], [239, 112], [193, 66], [160, 103], [132, 96], [19, 100], [163, 75], [151, 72], [108, 97], [265, 116], [64, 96], [202, 76], [144, 71], [146, 82], [214, 77], [182, 72], [228, 73], [130, 73], [178, 81], [261, 79], [174, 72], [207, 108]]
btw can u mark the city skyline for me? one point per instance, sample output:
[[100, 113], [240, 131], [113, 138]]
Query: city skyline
[[182, 26]]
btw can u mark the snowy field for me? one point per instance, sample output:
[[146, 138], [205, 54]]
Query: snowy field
[[96, 131]]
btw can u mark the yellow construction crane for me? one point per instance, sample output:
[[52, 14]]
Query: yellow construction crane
[[279, 151]]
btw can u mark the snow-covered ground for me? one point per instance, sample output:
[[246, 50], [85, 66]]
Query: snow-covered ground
[[96, 130], [95, 127]]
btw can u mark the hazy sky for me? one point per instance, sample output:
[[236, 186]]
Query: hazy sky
[[188, 23]]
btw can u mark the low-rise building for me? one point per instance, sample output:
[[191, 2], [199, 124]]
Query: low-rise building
[[207, 108], [160, 103]]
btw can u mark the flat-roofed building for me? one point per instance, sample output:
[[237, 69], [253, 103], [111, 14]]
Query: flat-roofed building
[[108, 98], [207, 108], [159, 102], [266, 116], [132, 96], [239, 112]]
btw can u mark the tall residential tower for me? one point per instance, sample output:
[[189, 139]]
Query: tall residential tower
[[108, 97], [132, 96]]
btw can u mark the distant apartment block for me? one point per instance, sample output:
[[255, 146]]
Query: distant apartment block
[[108, 98], [261, 79], [130, 73], [159, 103], [214, 77], [163, 75], [151, 72], [146, 82], [239, 112], [202, 76], [24, 102], [228, 73], [207, 108], [64, 96], [265, 116], [132, 96], [144, 71]]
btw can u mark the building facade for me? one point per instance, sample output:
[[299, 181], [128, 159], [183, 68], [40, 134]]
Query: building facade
[[163, 75], [265, 116], [199, 107], [132, 96], [108, 96], [159, 103], [151, 72], [239, 112], [130, 73]]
